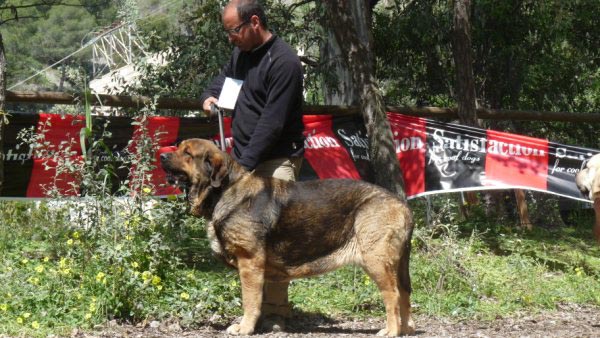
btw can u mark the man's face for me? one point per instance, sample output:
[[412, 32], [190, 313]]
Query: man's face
[[239, 32]]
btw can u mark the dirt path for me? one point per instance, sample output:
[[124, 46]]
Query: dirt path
[[567, 321]]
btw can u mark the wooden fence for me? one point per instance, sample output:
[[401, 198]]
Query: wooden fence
[[194, 104]]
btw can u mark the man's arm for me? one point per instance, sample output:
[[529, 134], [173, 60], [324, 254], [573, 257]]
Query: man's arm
[[211, 93]]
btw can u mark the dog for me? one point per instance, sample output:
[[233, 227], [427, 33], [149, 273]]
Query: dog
[[588, 182], [271, 229]]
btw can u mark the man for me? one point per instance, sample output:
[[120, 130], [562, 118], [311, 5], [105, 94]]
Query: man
[[267, 119]]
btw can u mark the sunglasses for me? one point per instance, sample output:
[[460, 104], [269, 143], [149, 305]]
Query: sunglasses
[[237, 29]]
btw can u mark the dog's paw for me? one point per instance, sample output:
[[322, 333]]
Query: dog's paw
[[237, 329], [409, 330], [389, 333], [386, 333]]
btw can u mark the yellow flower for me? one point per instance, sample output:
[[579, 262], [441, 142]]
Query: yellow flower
[[20, 320], [135, 265], [76, 234], [101, 277], [147, 190], [128, 237], [156, 280], [184, 296], [24, 261], [146, 275], [3, 307], [526, 299], [88, 316], [26, 315], [39, 269], [35, 325], [33, 280], [46, 259], [70, 242]]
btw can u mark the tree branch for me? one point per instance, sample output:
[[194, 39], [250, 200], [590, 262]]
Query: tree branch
[[14, 9], [295, 5], [2, 22]]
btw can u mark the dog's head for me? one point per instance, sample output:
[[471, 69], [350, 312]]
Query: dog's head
[[196, 163]]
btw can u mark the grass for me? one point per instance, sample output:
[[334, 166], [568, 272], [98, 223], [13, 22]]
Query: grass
[[61, 271]]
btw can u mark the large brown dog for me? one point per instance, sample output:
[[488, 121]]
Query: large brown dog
[[277, 230]]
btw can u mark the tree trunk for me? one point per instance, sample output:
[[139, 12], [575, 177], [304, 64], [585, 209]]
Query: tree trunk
[[465, 82], [2, 109], [465, 90], [463, 61], [348, 21]]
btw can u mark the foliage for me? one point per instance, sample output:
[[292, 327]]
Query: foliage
[[412, 46], [40, 35], [540, 55], [51, 39], [68, 265], [198, 50], [528, 55], [107, 254]]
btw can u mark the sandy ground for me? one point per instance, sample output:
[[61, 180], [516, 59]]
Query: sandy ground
[[566, 321]]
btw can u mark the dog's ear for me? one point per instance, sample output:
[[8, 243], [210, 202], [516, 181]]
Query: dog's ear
[[218, 168]]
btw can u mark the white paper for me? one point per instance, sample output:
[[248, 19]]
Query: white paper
[[229, 93]]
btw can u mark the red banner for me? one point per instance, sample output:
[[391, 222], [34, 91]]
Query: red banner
[[434, 157]]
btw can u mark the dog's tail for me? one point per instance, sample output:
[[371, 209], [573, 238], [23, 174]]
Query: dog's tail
[[403, 266]]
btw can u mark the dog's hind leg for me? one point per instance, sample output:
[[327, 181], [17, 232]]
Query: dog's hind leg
[[393, 279], [384, 275], [252, 271]]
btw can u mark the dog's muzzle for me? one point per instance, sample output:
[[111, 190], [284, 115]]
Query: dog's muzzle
[[174, 175]]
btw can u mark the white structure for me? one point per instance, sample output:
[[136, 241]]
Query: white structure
[[115, 51]]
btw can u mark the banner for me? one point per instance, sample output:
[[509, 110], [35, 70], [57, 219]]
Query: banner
[[435, 157]]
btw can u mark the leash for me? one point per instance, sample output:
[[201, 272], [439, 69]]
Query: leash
[[214, 110]]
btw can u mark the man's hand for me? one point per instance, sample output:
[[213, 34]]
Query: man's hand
[[207, 103]]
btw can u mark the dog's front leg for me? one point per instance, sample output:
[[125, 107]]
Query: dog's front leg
[[252, 272]]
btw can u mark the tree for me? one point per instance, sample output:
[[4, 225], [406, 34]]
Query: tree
[[463, 61], [349, 22]]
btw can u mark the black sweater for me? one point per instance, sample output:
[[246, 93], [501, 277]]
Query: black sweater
[[267, 118]]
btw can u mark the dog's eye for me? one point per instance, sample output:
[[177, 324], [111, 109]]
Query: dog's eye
[[187, 153]]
